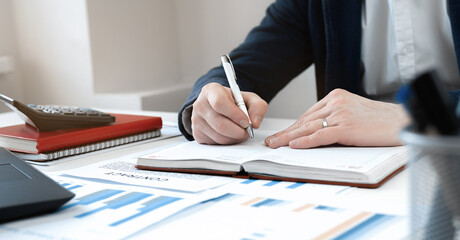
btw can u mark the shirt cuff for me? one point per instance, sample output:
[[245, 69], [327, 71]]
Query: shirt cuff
[[187, 119]]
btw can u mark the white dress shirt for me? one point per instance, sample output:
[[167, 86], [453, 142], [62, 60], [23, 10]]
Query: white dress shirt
[[403, 38]]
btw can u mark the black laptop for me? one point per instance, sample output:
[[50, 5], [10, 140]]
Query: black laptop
[[25, 191]]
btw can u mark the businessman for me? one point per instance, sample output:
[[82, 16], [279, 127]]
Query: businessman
[[362, 50]]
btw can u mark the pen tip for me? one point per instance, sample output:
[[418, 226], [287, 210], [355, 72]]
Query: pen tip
[[251, 131]]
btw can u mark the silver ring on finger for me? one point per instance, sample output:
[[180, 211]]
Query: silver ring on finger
[[324, 122]]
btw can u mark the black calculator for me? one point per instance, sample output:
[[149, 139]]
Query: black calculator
[[53, 117]]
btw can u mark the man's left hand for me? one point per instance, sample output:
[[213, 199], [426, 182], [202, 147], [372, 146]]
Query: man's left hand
[[351, 120]]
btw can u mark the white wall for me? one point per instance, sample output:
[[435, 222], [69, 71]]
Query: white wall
[[10, 83], [55, 55], [134, 44], [134, 53], [54, 50]]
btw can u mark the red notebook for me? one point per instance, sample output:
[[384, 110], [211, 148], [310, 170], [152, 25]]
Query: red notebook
[[24, 138]]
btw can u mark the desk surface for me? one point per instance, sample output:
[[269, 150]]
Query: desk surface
[[391, 198]]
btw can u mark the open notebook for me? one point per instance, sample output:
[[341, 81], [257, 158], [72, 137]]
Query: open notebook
[[353, 166]]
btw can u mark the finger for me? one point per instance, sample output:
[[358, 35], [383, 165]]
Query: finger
[[305, 120], [334, 94], [202, 138], [198, 124], [206, 134], [322, 137], [299, 124], [220, 139], [316, 107], [272, 140], [321, 104], [223, 103], [319, 114], [225, 127], [257, 108], [217, 127], [283, 139]]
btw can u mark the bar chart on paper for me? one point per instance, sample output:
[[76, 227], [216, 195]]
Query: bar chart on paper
[[100, 211], [335, 222], [255, 183], [254, 217], [287, 190]]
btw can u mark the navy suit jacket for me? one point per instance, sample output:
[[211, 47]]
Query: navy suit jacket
[[295, 34]]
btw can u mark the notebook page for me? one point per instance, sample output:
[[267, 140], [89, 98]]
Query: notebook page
[[237, 153], [356, 159]]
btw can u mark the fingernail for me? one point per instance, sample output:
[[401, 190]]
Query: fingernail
[[293, 143], [273, 140], [266, 141], [258, 120], [244, 123]]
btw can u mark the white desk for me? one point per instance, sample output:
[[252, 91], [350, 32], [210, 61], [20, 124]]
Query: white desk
[[391, 198]]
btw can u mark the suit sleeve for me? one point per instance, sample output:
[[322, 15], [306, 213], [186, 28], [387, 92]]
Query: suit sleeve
[[272, 54]]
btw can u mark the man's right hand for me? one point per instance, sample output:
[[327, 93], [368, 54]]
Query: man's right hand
[[216, 119]]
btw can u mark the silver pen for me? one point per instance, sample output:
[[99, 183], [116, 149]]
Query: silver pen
[[231, 77]]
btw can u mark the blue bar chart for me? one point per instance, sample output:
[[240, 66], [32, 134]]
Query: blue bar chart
[[113, 199], [337, 223], [271, 183], [251, 184], [295, 185], [93, 197], [117, 203], [148, 207], [102, 211]]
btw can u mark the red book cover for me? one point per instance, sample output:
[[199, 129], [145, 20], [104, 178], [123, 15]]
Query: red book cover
[[125, 124]]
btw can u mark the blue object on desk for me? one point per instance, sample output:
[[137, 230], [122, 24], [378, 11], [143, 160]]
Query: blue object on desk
[[434, 141], [25, 191], [429, 105]]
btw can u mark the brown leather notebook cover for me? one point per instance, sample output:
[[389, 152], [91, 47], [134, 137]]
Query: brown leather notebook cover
[[265, 177]]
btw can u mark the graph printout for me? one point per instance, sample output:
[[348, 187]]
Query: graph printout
[[101, 211], [255, 217], [122, 170]]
